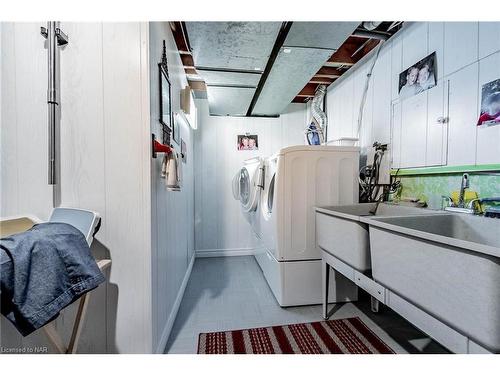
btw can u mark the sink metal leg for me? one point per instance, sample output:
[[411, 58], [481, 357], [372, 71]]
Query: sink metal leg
[[326, 282], [375, 304]]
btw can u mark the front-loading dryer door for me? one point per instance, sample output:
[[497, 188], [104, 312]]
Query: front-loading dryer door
[[244, 187], [236, 186]]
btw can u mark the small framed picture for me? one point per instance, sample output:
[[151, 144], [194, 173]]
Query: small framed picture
[[165, 103], [247, 142], [490, 104]]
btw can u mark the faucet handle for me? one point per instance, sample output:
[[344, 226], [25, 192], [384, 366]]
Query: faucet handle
[[448, 198], [473, 203]]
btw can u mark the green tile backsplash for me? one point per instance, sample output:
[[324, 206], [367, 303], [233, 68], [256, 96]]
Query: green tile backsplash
[[431, 187]]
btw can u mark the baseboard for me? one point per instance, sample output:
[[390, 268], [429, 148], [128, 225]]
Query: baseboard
[[223, 252], [175, 309]]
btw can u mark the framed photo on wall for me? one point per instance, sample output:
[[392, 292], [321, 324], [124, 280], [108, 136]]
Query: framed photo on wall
[[490, 104], [418, 78], [247, 142], [165, 95], [165, 103]]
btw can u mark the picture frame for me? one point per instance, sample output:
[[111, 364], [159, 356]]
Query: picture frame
[[247, 142], [490, 104], [165, 98], [419, 77]]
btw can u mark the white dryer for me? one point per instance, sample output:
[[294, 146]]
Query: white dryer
[[247, 188], [296, 179]]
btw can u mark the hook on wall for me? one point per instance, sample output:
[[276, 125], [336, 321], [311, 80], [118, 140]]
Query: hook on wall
[[157, 147]]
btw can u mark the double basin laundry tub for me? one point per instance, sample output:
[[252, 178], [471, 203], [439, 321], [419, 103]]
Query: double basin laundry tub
[[444, 266]]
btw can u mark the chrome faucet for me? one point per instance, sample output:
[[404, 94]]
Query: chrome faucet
[[463, 186], [461, 207]]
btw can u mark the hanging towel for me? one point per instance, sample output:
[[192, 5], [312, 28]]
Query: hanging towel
[[164, 166], [171, 171]]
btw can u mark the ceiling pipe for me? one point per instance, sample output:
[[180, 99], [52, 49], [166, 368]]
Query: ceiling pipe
[[371, 25], [381, 35]]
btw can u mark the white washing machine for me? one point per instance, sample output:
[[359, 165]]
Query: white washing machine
[[297, 179], [247, 188]]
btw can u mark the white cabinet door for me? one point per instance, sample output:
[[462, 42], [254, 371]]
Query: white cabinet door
[[488, 137], [460, 45], [463, 115], [437, 128], [414, 131]]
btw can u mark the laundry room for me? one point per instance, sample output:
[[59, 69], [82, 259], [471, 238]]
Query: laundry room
[[196, 184]]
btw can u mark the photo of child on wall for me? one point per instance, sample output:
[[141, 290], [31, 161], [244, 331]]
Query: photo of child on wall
[[490, 104], [418, 77], [247, 142]]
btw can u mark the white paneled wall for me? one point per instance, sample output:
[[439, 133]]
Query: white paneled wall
[[467, 55], [219, 224], [172, 212], [105, 159]]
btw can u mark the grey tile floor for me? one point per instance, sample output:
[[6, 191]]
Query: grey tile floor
[[231, 293]]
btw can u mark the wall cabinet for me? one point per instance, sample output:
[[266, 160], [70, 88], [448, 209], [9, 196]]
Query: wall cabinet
[[419, 129], [437, 126], [467, 56], [413, 131]]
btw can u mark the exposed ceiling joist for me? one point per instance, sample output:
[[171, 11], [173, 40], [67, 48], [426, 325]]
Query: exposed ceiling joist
[[197, 85], [180, 36], [182, 41], [328, 72], [187, 60], [300, 100], [356, 46], [309, 89], [322, 80]]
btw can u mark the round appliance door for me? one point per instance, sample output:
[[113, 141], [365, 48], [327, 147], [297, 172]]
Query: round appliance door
[[244, 187], [270, 195], [236, 186]]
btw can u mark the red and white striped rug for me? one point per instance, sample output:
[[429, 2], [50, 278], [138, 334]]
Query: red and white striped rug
[[341, 336]]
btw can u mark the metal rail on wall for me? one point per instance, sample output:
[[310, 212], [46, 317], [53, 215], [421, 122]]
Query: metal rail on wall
[[55, 38]]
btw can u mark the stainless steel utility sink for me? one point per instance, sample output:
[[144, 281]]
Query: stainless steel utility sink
[[341, 232], [448, 265]]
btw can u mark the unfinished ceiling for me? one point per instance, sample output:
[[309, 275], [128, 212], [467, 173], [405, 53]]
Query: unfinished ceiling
[[307, 46], [230, 58], [258, 68], [241, 46]]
